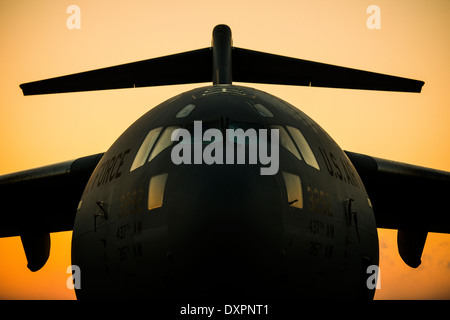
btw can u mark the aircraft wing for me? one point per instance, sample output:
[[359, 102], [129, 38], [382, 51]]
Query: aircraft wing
[[39, 201], [409, 198]]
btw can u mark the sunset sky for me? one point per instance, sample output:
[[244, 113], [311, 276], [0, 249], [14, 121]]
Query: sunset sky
[[413, 42]]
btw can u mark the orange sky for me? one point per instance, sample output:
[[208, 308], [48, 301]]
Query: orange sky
[[40, 130]]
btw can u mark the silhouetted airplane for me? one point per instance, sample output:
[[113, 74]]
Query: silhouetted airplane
[[166, 213]]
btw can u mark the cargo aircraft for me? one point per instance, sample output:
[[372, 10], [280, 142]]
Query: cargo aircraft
[[147, 227]]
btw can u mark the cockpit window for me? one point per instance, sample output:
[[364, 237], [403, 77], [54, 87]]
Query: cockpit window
[[293, 190], [183, 113], [304, 147], [286, 141], [163, 142], [262, 110], [145, 148], [156, 191]]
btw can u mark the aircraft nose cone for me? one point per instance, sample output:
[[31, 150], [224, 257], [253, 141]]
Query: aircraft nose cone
[[225, 229]]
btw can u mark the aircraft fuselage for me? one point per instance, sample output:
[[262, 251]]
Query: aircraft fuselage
[[149, 228]]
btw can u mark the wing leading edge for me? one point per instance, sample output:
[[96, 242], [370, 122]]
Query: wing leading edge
[[409, 198], [39, 201]]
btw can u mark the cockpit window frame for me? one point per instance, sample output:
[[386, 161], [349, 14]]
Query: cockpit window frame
[[294, 189], [166, 136], [286, 140], [146, 148], [303, 146], [156, 191], [262, 110], [185, 111], [146, 152]]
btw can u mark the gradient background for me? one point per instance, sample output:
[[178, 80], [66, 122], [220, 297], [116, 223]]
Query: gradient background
[[414, 128]]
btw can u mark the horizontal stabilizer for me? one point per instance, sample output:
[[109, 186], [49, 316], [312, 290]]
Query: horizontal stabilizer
[[260, 67], [181, 68], [222, 64]]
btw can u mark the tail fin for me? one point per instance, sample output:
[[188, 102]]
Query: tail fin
[[215, 64]]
